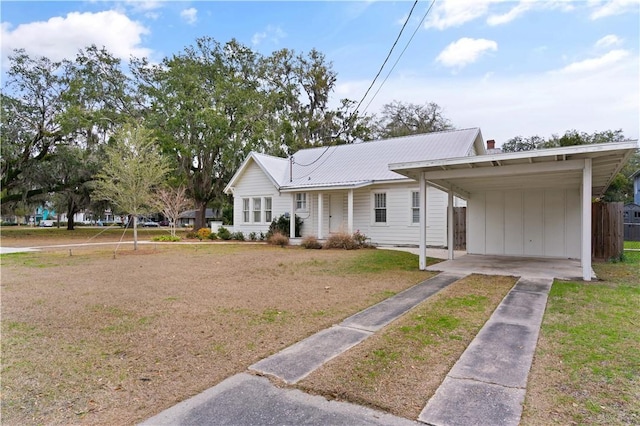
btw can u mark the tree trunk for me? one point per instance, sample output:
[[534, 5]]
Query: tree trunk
[[135, 232], [71, 212], [200, 219]]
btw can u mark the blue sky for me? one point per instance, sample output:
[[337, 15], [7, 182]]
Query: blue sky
[[509, 67]]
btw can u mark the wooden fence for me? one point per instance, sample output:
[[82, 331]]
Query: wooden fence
[[632, 231], [607, 233], [459, 228]]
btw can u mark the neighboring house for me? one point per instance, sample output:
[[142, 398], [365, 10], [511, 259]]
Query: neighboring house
[[631, 222], [636, 187], [631, 213], [188, 218], [349, 188]]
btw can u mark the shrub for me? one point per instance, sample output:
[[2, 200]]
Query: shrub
[[253, 236], [281, 225], [166, 238], [203, 233], [340, 240], [224, 233], [278, 239], [191, 235], [237, 236], [311, 242], [213, 236], [360, 239], [262, 237]]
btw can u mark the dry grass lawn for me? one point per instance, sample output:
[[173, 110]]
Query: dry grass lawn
[[89, 339]]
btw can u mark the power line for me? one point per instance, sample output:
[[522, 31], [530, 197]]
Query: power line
[[400, 56], [355, 111], [388, 56]]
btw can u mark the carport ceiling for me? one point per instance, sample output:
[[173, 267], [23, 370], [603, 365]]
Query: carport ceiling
[[548, 168]]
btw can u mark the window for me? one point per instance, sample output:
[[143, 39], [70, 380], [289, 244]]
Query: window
[[267, 209], [380, 207], [301, 201], [245, 210], [257, 212], [415, 207]]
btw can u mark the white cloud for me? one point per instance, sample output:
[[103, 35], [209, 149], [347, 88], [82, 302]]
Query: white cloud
[[62, 37], [271, 33], [526, 105], [514, 13], [190, 16], [612, 7], [465, 51], [144, 4], [453, 13], [608, 40], [594, 64]]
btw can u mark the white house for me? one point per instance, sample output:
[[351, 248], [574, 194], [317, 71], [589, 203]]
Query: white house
[[348, 188]]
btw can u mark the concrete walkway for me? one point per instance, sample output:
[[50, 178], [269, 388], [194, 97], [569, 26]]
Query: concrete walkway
[[296, 362], [244, 399]]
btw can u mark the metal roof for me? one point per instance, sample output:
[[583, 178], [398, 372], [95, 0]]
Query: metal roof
[[367, 162], [360, 164], [555, 167]]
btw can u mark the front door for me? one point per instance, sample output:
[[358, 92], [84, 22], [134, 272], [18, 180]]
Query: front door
[[336, 216]]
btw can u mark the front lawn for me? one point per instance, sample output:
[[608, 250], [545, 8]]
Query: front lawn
[[89, 339]]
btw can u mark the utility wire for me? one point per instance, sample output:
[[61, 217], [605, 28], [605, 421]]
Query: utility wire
[[387, 58], [401, 53], [377, 75]]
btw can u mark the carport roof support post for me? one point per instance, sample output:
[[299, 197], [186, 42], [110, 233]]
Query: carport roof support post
[[586, 220]]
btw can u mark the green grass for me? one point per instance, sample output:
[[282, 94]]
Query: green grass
[[382, 260], [592, 343], [632, 245]]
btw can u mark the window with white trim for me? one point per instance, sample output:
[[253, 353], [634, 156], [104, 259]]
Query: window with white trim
[[257, 210], [267, 210], [245, 210], [380, 207], [301, 201], [415, 207]]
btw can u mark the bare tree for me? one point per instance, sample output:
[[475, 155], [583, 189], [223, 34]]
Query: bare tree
[[172, 202]]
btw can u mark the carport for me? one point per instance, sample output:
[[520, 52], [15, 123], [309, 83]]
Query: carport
[[533, 204]]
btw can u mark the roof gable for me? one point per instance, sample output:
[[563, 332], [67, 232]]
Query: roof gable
[[273, 167]]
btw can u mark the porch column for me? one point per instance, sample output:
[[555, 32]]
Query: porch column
[[450, 227], [350, 211], [320, 207], [422, 255], [292, 217], [586, 220]]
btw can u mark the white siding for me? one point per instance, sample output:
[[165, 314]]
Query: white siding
[[399, 228], [543, 223], [254, 183]]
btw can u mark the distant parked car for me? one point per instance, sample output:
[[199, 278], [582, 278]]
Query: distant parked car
[[164, 223], [46, 223], [150, 224]]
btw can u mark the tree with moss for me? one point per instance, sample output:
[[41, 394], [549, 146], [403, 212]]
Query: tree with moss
[[132, 174]]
